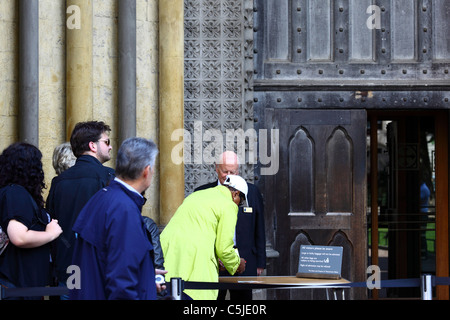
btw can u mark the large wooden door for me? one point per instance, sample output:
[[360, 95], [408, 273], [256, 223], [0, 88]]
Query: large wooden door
[[318, 195]]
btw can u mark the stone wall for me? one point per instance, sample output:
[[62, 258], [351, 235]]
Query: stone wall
[[52, 77], [8, 72]]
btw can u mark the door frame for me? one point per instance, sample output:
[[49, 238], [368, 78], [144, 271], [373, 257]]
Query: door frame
[[442, 188]]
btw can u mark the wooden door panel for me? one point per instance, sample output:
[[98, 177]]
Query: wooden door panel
[[320, 187], [301, 164], [339, 164]]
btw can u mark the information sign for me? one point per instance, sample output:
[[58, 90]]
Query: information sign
[[322, 262]]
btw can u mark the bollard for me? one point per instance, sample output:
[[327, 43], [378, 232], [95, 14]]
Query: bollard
[[426, 286], [176, 287]]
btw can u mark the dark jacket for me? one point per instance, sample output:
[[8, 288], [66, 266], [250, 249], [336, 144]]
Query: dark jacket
[[112, 249], [153, 230], [250, 230], [68, 194], [23, 267]]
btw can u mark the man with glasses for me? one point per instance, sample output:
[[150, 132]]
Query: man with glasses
[[71, 190]]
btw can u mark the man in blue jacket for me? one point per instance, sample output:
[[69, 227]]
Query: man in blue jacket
[[112, 248]]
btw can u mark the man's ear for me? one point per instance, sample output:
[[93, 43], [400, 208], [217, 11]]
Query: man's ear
[[146, 171], [92, 146]]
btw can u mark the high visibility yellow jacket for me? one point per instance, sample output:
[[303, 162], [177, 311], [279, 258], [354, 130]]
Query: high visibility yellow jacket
[[201, 230]]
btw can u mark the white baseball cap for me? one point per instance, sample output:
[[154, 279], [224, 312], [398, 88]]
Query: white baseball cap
[[237, 182]]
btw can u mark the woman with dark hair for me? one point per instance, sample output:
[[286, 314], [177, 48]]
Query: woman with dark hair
[[26, 260]]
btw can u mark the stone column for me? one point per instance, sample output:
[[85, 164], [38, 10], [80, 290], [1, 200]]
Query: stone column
[[127, 69], [79, 93], [171, 103], [29, 71]]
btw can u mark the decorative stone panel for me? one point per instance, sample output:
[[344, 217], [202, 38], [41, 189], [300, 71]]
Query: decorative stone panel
[[218, 98]]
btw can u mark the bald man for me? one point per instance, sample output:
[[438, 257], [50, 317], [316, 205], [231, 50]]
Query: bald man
[[250, 238]]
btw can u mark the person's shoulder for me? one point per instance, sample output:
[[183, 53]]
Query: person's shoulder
[[117, 196], [206, 186], [254, 193], [15, 189], [252, 187], [69, 172], [102, 171], [209, 195], [86, 167], [17, 194], [109, 170], [109, 173]]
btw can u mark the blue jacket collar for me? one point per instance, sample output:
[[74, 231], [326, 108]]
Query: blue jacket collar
[[138, 199]]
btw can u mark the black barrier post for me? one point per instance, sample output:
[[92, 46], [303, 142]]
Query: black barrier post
[[426, 286], [177, 288]]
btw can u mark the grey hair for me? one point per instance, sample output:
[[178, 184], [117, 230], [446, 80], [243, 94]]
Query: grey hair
[[63, 157], [133, 156]]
